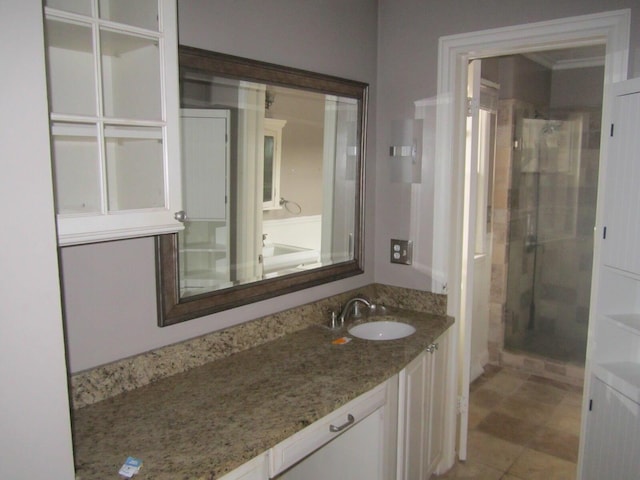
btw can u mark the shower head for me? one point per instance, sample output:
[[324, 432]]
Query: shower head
[[551, 127]]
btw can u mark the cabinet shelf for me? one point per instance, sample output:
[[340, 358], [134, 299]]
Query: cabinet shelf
[[205, 248], [627, 321], [623, 377]]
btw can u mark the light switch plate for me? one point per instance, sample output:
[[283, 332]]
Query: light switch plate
[[401, 251]]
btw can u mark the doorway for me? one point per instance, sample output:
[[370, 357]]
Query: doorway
[[536, 223], [454, 207]]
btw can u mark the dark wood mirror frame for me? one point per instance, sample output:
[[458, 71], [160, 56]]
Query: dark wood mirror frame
[[171, 308]]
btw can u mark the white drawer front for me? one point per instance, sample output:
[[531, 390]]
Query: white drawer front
[[298, 446]]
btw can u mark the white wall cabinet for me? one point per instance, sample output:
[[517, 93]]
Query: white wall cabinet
[[204, 243], [421, 413], [272, 161], [112, 72], [612, 409], [205, 163]]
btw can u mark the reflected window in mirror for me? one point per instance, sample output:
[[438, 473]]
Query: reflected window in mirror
[[272, 184]]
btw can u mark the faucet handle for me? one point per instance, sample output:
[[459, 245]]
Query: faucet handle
[[333, 320]]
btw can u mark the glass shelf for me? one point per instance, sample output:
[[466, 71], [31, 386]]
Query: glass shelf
[[138, 13], [71, 68], [76, 165]]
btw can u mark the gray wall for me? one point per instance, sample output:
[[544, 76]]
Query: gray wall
[[35, 433], [408, 33], [391, 44], [110, 303]]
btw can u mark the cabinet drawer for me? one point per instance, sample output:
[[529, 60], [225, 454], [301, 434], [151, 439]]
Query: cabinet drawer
[[298, 446]]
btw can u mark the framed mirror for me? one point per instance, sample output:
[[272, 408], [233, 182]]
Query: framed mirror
[[273, 184]]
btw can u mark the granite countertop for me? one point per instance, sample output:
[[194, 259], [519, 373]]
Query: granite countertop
[[207, 421]]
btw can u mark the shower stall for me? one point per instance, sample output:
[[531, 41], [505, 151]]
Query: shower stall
[[544, 205], [552, 215]]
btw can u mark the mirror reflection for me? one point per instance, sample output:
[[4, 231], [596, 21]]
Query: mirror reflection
[[272, 184], [263, 167]]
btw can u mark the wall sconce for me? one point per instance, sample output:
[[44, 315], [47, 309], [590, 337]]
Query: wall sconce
[[406, 151]]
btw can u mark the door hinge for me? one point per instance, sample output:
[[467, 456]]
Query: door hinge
[[463, 404], [590, 404], [473, 104], [604, 233], [612, 129]]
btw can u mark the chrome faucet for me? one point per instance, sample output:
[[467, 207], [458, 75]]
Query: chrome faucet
[[352, 304]]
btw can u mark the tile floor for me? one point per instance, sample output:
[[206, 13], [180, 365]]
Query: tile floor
[[521, 427]]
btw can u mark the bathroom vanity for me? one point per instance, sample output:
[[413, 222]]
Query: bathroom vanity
[[297, 407]]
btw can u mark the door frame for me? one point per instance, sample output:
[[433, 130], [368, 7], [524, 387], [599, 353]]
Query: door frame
[[451, 211]]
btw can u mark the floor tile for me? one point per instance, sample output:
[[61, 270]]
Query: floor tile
[[476, 415], [472, 471], [554, 442], [527, 409], [506, 427], [491, 451], [541, 392], [521, 427], [505, 382], [485, 398], [533, 465], [566, 418], [572, 399], [566, 387]]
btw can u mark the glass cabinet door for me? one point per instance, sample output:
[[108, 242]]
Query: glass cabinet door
[[113, 95]]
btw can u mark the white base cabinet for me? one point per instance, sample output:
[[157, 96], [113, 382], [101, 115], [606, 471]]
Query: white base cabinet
[[354, 441], [421, 413], [392, 432], [255, 469], [353, 455], [613, 435]]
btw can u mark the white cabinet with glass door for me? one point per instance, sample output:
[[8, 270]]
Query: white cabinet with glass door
[[204, 243], [272, 159], [113, 100]]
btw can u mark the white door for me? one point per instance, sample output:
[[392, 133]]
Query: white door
[[468, 255]]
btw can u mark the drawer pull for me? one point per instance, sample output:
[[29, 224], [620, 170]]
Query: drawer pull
[[350, 420]]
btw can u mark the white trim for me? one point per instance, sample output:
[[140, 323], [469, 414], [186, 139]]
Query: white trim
[[609, 28], [565, 64]]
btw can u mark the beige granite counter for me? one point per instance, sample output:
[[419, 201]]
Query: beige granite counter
[[203, 423]]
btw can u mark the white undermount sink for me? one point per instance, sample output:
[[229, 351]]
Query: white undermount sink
[[382, 330]]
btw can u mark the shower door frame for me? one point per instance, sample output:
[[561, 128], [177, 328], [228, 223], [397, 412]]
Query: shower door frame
[[454, 208]]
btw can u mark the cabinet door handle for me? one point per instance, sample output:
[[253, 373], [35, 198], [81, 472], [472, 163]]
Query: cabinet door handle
[[350, 420], [180, 216]]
